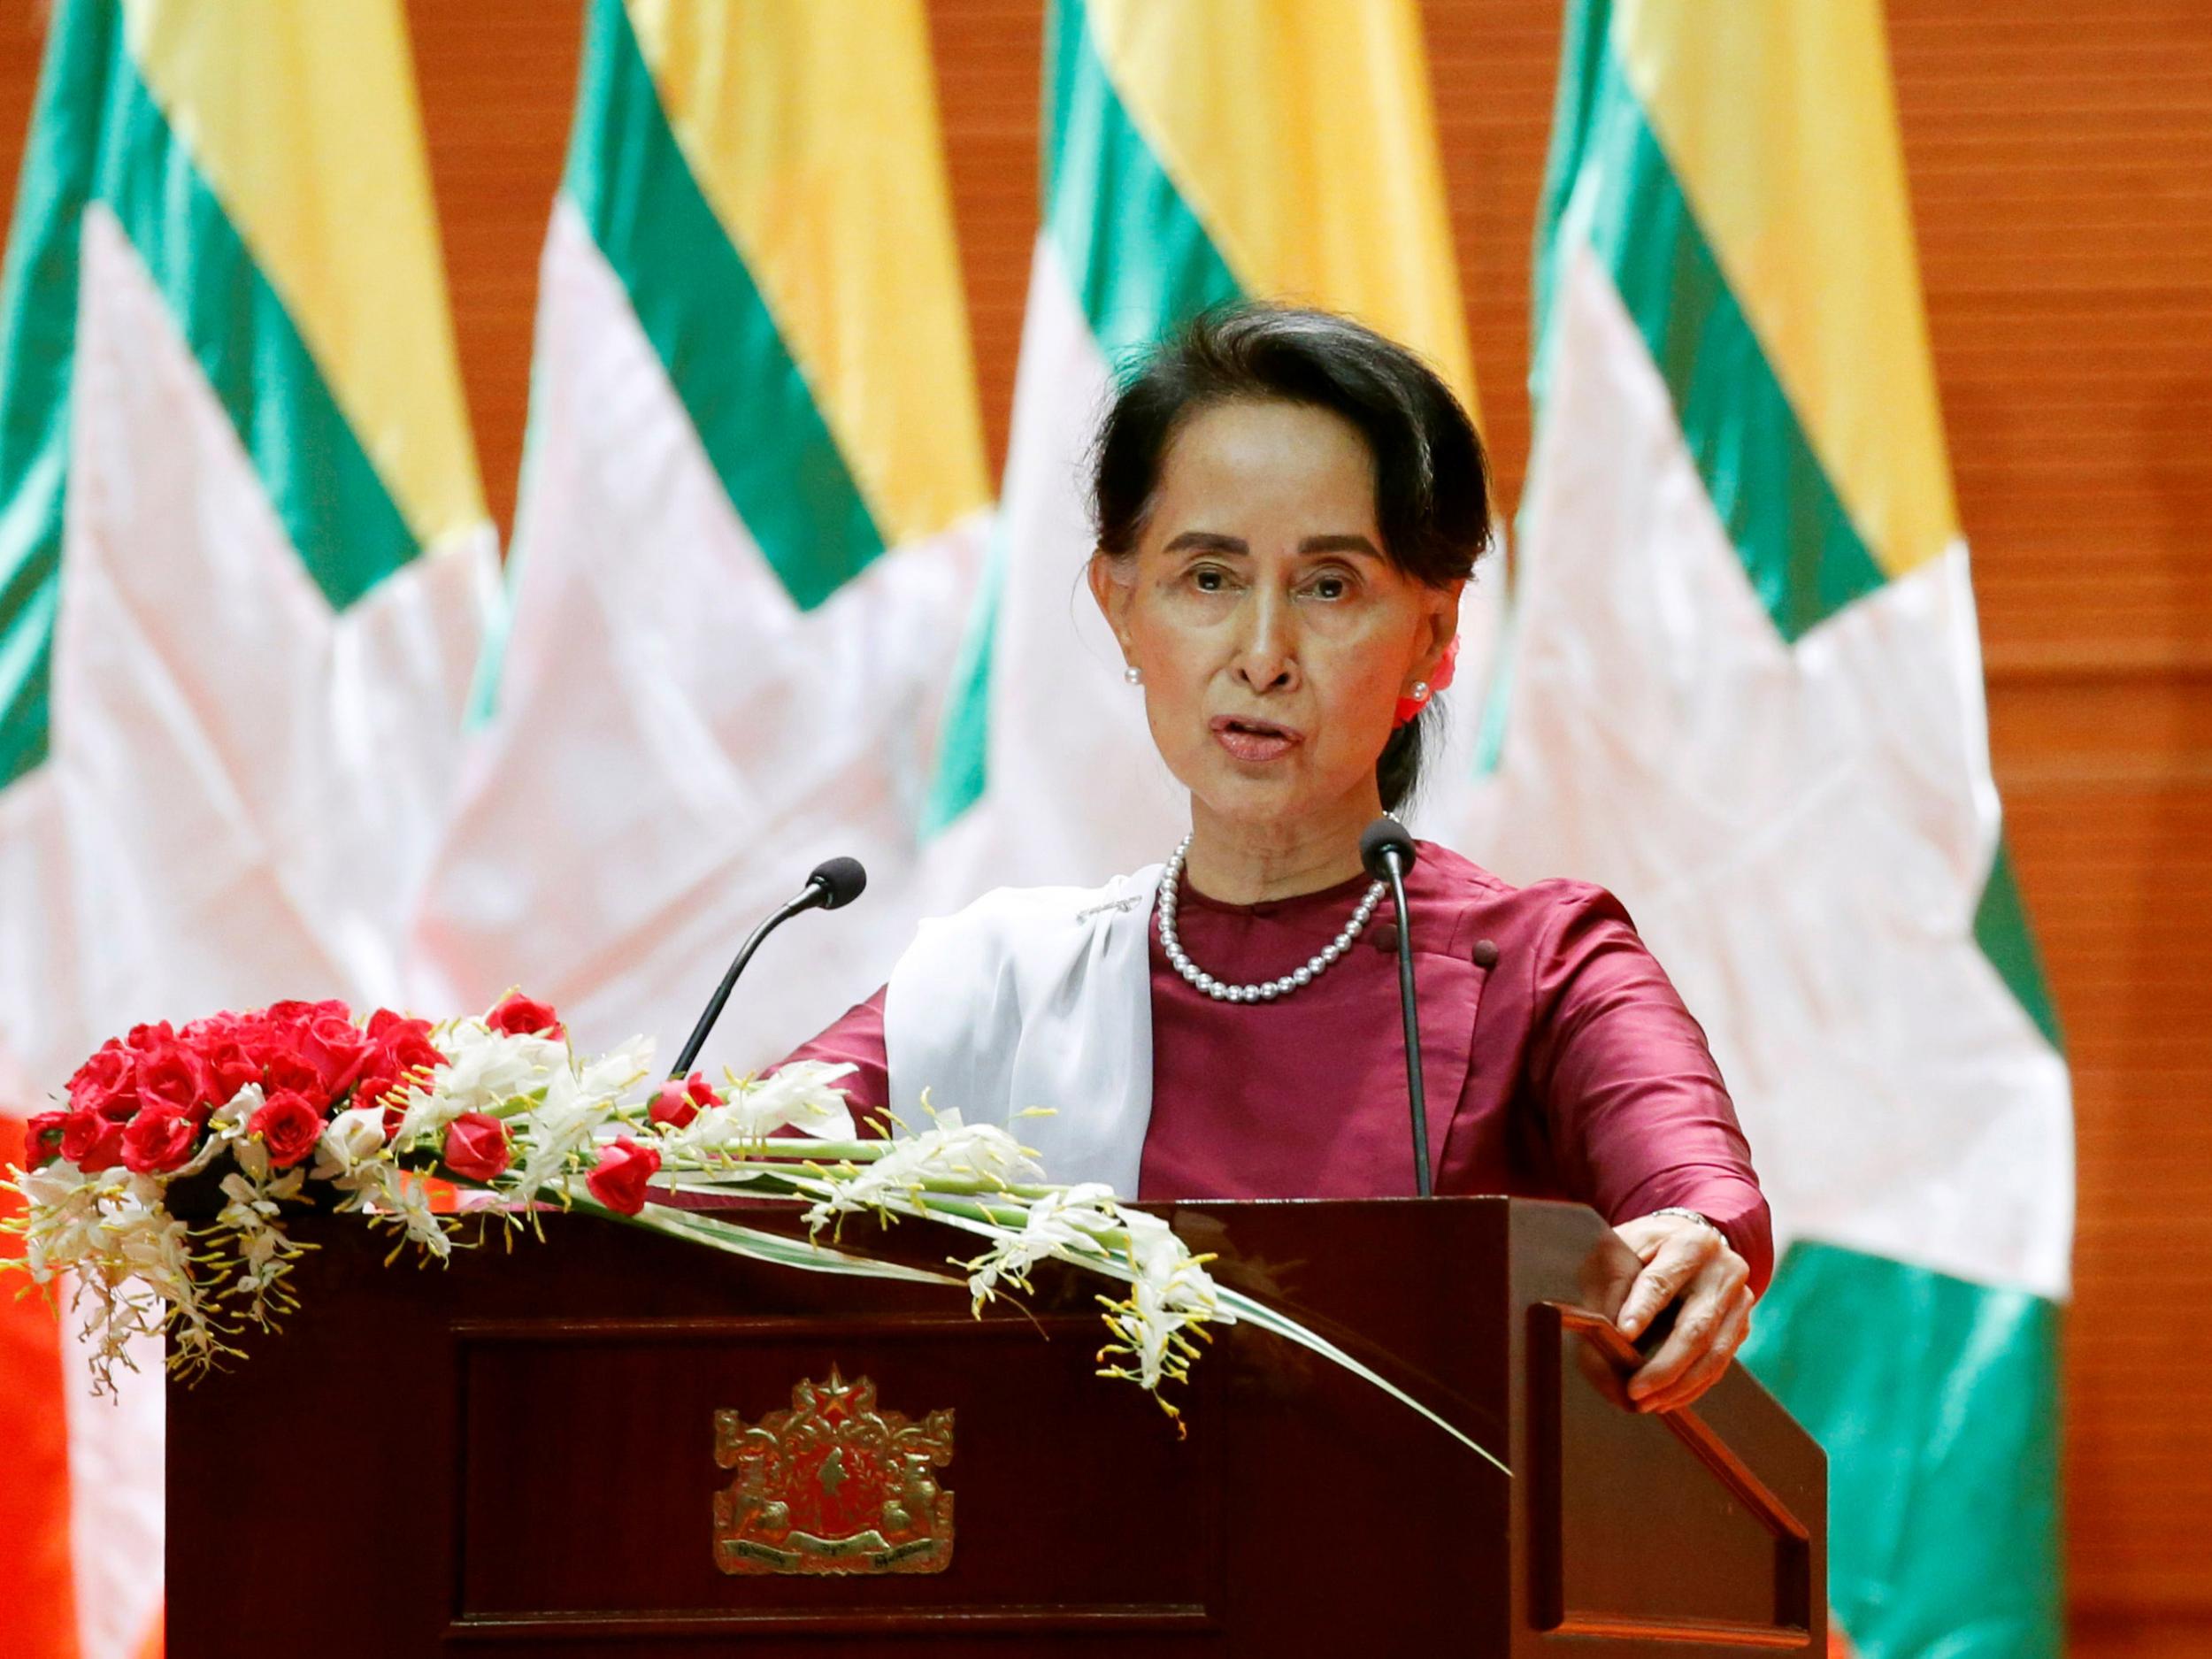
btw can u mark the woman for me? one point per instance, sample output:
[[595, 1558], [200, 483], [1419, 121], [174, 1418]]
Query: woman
[[1288, 506]]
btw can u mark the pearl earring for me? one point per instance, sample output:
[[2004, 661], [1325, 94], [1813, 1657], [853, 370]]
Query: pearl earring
[[1134, 674], [1420, 691]]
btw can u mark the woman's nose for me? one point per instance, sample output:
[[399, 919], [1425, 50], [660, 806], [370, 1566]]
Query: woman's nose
[[1268, 659]]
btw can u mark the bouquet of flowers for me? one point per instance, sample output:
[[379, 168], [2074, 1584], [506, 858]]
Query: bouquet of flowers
[[163, 1186]]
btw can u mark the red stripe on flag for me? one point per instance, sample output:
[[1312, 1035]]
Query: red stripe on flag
[[38, 1608]]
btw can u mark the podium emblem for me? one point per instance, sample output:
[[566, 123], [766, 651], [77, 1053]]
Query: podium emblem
[[833, 1485]]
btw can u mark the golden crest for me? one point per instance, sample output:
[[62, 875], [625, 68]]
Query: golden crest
[[833, 1485]]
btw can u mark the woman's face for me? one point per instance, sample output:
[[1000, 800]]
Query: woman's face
[[1274, 638]]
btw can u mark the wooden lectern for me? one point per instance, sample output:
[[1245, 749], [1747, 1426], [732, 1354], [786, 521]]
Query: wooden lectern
[[609, 1443]]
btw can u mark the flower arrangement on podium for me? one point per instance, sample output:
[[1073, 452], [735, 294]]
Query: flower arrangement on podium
[[158, 1192]]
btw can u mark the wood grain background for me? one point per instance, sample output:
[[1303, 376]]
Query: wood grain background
[[2058, 158]]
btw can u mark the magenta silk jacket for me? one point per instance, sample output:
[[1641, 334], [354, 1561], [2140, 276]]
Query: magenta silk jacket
[[1558, 1061]]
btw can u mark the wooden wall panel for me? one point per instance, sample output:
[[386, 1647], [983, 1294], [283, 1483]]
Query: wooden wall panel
[[497, 83], [2057, 155], [2065, 209], [988, 57]]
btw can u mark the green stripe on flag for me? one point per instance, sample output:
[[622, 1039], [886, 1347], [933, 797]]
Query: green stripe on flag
[[1609, 186], [1142, 262], [29, 602], [343, 521], [2006, 938], [38, 317], [1937, 1400], [963, 754], [98, 135], [750, 405]]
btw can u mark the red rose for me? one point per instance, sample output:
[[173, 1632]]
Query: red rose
[[289, 1124], [251, 1032], [159, 1138], [410, 1052], [229, 1067], [294, 1013], [174, 1077], [676, 1104], [403, 1045], [106, 1070], [619, 1180], [518, 1016], [92, 1141], [335, 1047], [146, 1039], [41, 1138], [107, 1083], [476, 1147], [286, 1071], [210, 1028]]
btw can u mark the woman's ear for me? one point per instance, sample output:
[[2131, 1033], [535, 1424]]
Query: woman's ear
[[1441, 625], [1112, 587]]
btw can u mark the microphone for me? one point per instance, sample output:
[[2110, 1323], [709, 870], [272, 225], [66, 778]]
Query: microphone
[[835, 883], [1387, 852]]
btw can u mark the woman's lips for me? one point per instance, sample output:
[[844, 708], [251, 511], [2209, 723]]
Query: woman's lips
[[1255, 739]]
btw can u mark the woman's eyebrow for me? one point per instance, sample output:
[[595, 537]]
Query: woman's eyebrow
[[1213, 541], [1209, 539], [1349, 543]]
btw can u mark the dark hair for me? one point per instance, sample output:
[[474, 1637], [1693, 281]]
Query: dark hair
[[1432, 479]]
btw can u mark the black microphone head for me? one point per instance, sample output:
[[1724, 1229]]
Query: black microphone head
[[842, 880], [1384, 836]]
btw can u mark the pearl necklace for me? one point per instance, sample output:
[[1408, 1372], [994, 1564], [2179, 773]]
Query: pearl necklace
[[1267, 990]]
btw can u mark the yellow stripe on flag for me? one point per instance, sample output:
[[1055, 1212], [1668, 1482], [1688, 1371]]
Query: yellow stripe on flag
[[1781, 126], [1300, 134], [303, 119], [811, 128]]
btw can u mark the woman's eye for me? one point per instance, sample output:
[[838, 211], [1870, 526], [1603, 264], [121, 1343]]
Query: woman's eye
[[1331, 587], [1209, 578]]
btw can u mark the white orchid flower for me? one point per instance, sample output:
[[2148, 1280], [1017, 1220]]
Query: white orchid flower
[[63, 1226], [484, 1068], [1064, 1223], [796, 1097], [951, 1149], [616, 1072], [948, 1153], [229, 1120], [353, 1138], [1165, 1263], [408, 1203], [1170, 1292], [562, 1124]]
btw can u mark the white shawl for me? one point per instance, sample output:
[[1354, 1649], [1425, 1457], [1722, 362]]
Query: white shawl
[[1035, 997]]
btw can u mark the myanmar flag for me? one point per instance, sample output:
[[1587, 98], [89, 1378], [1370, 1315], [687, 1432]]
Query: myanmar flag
[[1746, 694], [1194, 156], [242, 563], [750, 514]]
